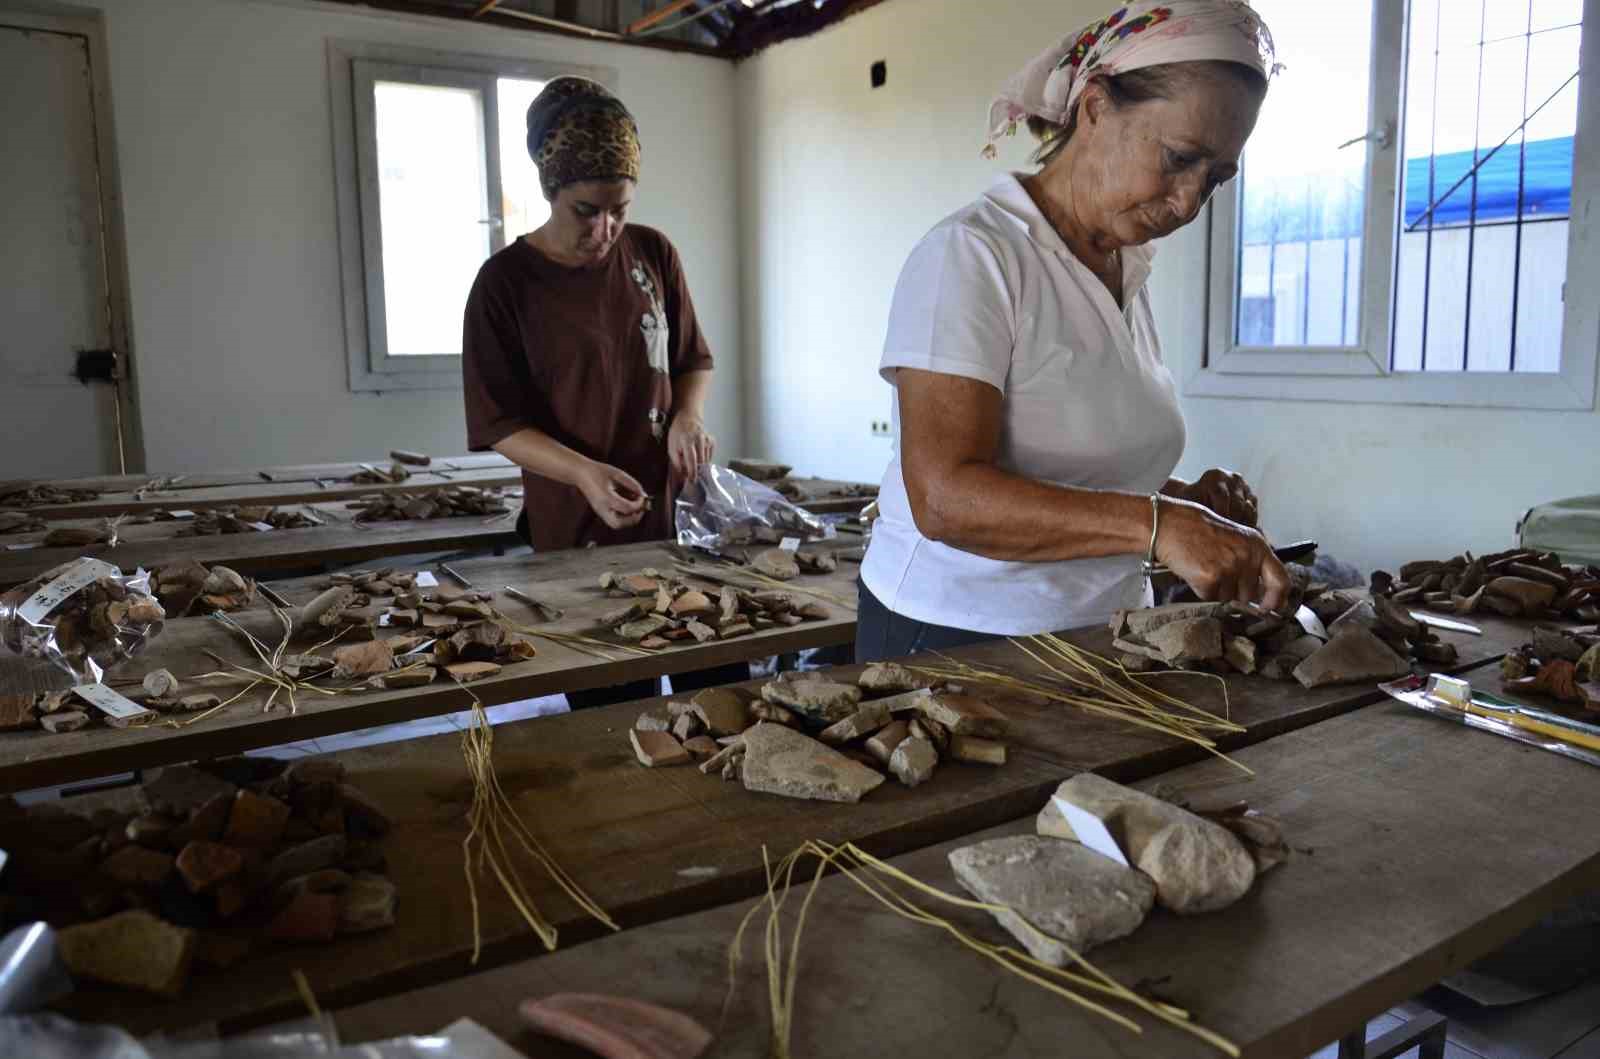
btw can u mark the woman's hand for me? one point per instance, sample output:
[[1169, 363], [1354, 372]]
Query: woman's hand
[[614, 495], [1220, 559], [1223, 492], [688, 444]]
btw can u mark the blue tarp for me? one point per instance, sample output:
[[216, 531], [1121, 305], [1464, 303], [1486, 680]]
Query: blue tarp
[[1546, 184]]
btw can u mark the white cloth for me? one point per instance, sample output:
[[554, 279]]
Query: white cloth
[[993, 293]]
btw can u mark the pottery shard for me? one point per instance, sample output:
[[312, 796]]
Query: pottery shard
[[722, 711], [1354, 655], [868, 719], [644, 627], [963, 714], [693, 604], [309, 917], [363, 816], [701, 747], [363, 659], [204, 864], [889, 677], [137, 866], [181, 789], [1529, 595], [132, 949], [1059, 898], [1139, 624], [776, 563], [657, 749], [1240, 651], [822, 701], [410, 677], [779, 760], [256, 821], [881, 745], [616, 1027], [977, 751], [366, 904], [467, 672], [161, 683], [687, 726], [658, 719], [325, 852], [913, 761], [1197, 865], [64, 721], [1187, 641]]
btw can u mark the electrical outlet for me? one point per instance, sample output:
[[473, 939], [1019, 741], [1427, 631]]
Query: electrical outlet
[[880, 428]]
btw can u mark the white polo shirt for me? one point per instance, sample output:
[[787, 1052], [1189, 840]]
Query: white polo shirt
[[993, 293]]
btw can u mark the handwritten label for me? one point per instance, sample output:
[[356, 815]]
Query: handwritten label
[[425, 579], [109, 702], [790, 544], [78, 576], [384, 620], [181, 514], [264, 527], [22, 547], [1091, 831]]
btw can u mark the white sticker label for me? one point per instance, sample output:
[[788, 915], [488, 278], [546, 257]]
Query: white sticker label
[[426, 580], [790, 544], [22, 547], [384, 619], [1091, 831], [264, 527], [80, 575], [181, 514], [312, 516], [108, 701]]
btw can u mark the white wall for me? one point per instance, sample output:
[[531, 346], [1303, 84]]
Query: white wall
[[839, 182], [224, 139]]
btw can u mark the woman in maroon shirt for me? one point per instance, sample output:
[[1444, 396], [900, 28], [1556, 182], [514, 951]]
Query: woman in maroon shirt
[[582, 361]]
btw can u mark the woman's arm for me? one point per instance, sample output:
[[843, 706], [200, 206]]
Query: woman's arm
[[689, 444], [949, 438], [614, 495]]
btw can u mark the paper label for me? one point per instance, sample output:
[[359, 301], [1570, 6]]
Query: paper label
[[1091, 831], [1311, 623], [314, 517], [22, 547], [181, 514], [83, 573], [383, 620], [109, 702], [790, 544], [425, 579], [264, 527]]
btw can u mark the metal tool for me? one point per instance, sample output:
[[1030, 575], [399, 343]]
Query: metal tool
[[546, 611], [1445, 623], [446, 569], [272, 597], [1454, 698]]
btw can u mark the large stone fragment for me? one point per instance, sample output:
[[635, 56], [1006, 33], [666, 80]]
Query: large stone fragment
[[307, 857], [868, 719], [204, 864], [256, 820], [133, 949], [136, 866], [1188, 641], [890, 677], [1197, 866], [1060, 898], [779, 760], [1353, 655], [777, 564], [821, 701], [181, 789]]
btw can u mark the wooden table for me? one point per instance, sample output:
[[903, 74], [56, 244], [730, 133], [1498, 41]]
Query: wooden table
[[280, 551], [652, 844], [567, 580], [1425, 846]]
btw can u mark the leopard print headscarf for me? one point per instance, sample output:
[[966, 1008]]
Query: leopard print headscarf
[[577, 130]]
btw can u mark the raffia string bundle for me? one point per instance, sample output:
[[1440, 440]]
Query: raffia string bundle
[[494, 834], [271, 671], [892, 888], [1096, 685]]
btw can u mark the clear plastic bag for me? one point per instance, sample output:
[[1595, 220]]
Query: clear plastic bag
[[48, 1036], [722, 509], [83, 617]]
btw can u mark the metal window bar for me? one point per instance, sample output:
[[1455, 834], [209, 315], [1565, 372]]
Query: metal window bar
[[1522, 178], [1305, 270], [1472, 207], [1433, 156]]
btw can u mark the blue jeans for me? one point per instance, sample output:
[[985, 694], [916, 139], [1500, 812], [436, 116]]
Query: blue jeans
[[882, 634]]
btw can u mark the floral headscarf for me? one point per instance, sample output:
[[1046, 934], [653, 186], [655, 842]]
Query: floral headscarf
[[1131, 37]]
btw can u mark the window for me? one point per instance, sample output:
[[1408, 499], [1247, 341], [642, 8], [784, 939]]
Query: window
[[1402, 227], [434, 176]]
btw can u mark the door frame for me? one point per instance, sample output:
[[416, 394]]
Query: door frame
[[91, 27]]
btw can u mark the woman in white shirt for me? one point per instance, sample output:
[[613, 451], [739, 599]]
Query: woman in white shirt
[[1038, 428]]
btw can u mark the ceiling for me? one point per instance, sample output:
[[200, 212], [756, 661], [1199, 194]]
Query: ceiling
[[731, 29]]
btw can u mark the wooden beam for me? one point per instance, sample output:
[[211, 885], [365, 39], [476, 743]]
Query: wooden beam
[[661, 14]]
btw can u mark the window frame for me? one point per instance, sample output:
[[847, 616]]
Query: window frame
[[352, 68], [1362, 373]]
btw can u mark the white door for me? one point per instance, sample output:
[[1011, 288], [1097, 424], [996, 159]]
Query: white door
[[54, 301]]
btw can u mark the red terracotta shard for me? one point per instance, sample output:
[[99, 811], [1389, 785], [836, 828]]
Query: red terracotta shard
[[617, 1027]]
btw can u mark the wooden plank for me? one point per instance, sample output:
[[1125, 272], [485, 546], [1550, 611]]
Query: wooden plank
[[567, 580], [305, 472], [644, 839], [278, 551], [1426, 846]]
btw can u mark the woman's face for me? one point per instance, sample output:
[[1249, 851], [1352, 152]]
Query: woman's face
[[1144, 170], [587, 217]]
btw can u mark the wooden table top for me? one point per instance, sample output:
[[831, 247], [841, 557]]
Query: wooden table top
[[567, 580], [652, 844], [1424, 846]]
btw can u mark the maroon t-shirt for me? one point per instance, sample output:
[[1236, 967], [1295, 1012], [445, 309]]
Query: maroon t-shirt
[[565, 350]]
